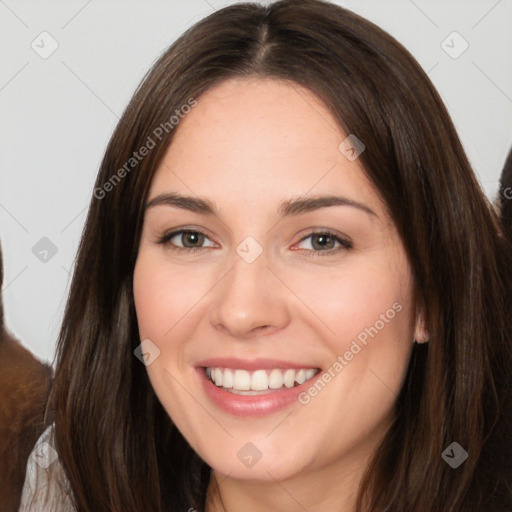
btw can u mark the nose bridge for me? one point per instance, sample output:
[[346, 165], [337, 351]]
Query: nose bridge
[[245, 284], [249, 260], [246, 299]]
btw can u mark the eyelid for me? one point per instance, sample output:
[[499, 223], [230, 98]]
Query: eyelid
[[344, 241], [167, 235]]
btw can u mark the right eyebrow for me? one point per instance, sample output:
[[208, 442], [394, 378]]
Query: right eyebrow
[[193, 204]]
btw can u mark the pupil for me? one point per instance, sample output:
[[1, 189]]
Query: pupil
[[322, 240], [192, 236]]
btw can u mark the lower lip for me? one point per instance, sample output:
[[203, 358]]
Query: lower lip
[[252, 405]]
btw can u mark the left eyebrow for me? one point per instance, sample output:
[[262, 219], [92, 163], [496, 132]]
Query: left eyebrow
[[287, 208], [303, 205]]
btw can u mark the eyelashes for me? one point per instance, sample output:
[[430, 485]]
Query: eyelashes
[[167, 237], [323, 238]]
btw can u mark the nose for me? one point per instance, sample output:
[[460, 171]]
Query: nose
[[250, 300]]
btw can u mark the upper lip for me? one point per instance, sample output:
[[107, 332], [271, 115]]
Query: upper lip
[[250, 365]]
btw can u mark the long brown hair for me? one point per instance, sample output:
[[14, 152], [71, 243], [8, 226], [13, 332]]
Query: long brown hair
[[119, 448], [505, 196]]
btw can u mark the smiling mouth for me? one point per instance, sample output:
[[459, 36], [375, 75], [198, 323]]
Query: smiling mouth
[[258, 382]]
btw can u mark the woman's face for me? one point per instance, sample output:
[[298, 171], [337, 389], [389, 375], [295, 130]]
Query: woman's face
[[261, 296]]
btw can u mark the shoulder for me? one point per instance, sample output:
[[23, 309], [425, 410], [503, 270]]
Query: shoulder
[[45, 482]]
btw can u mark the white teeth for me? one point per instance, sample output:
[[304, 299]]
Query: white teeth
[[289, 378], [217, 376], [259, 380], [275, 379], [241, 380], [309, 373], [227, 380]]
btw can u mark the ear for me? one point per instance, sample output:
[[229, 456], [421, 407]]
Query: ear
[[420, 329]]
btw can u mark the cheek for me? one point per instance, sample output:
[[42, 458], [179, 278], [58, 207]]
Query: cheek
[[149, 297], [161, 300], [162, 295], [355, 298]]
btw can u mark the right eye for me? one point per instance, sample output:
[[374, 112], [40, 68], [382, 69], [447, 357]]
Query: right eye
[[186, 236]]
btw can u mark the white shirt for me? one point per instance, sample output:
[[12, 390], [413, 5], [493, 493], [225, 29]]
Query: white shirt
[[45, 476]]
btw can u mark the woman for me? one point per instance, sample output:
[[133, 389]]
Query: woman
[[249, 371]]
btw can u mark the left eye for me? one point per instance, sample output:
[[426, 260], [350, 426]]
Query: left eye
[[324, 241]]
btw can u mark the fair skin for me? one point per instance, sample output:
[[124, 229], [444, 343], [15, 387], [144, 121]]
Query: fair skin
[[249, 145]]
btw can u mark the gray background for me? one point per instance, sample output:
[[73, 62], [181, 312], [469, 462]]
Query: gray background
[[58, 113]]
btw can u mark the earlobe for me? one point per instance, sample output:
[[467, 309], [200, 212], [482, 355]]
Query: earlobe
[[421, 331]]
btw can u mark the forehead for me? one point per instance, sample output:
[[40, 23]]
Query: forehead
[[254, 140]]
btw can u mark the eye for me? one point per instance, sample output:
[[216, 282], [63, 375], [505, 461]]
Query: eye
[[190, 238], [323, 243]]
